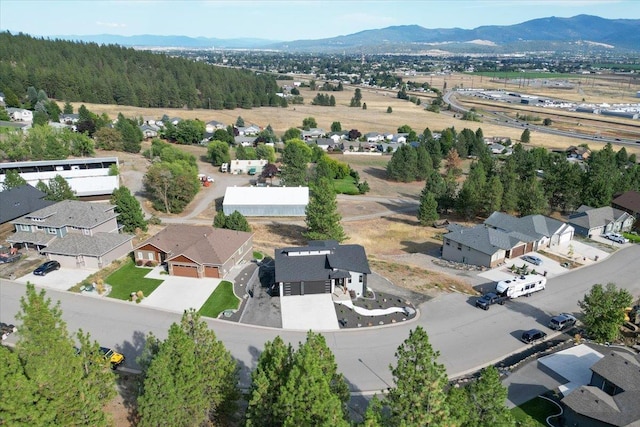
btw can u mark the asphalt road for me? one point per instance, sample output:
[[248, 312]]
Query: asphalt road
[[466, 337]]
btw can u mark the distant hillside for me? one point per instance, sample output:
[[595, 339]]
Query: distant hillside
[[87, 72], [147, 40], [564, 33]]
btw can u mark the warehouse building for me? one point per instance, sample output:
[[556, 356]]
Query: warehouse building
[[266, 201]]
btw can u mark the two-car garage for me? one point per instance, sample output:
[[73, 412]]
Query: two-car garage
[[306, 288]]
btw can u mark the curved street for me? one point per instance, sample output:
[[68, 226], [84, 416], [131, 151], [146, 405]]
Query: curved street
[[467, 338]]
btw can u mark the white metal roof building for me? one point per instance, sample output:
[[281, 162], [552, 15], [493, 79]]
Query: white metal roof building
[[266, 201]]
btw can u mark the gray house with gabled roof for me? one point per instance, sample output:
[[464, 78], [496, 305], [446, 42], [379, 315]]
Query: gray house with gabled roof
[[590, 221], [320, 267], [612, 397], [503, 236], [76, 234]]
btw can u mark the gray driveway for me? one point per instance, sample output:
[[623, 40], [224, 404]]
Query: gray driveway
[[61, 280]]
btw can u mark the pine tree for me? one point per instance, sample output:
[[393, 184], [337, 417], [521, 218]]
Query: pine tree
[[374, 415], [66, 394], [526, 136], [487, 397], [428, 210], [309, 397], [295, 157], [189, 379], [220, 220], [492, 195], [57, 190], [18, 402], [418, 398], [128, 209], [322, 217], [237, 221], [267, 383]]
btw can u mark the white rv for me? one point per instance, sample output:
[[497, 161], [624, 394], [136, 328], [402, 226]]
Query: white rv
[[521, 285]]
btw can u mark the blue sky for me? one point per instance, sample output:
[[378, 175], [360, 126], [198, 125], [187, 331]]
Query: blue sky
[[282, 20]]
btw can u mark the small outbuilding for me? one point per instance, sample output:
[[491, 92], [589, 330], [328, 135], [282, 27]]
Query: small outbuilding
[[266, 201]]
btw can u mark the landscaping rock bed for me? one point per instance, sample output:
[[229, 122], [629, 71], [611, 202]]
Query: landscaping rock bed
[[349, 318]]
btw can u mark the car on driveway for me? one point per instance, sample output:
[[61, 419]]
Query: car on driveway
[[532, 259], [533, 335], [562, 321], [47, 267], [615, 237]]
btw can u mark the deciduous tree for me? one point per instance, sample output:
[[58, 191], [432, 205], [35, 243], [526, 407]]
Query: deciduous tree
[[218, 153], [603, 309], [57, 190], [12, 179]]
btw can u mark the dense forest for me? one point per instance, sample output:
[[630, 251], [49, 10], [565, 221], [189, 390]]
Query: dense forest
[[92, 73]]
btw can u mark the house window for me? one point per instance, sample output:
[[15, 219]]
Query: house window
[[446, 242], [51, 230], [459, 247], [23, 227], [86, 231], [360, 278], [140, 255], [150, 255]]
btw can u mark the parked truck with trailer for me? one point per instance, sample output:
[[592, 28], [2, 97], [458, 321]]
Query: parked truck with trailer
[[521, 285]]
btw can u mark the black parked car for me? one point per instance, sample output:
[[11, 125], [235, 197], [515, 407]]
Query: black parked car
[[47, 267], [533, 335]]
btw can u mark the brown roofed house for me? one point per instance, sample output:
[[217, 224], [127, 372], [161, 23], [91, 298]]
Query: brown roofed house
[[196, 250], [629, 202]]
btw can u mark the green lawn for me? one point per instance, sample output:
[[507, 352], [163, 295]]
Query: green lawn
[[534, 412], [345, 186], [130, 278], [220, 300]]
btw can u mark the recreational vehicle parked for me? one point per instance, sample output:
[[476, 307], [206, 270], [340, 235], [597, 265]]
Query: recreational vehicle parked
[[521, 285]]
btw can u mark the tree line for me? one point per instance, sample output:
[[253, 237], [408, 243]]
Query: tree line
[[111, 74], [190, 379]]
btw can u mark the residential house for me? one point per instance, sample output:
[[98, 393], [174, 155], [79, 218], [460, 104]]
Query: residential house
[[69, 119], [338, 136], [251, 130], [579, 152], [503, 236], [20, 201], [1, 98], [196, 250], [149, 131], [76, 234], [245, 141], [374, 137], [322, 267], [628, 202], [312, 133], [399, 138], [590, 221], [213, 125], [327, 144], [20, 114], [612, 396]]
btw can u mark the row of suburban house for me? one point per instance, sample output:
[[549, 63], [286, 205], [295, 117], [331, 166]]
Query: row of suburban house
[[503, 236]]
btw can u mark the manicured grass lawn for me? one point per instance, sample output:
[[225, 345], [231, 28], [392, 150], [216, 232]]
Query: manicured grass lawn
[[220, 300], [345, 186], [130, 278], [633, 238], [536, 409]]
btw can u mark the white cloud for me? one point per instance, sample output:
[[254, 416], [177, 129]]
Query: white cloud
[[110, 24]]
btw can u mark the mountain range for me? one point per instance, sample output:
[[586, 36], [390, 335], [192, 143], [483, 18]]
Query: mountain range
[[580, 33]]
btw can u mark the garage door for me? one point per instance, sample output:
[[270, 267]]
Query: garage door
[[65, 261], [185, 271], [517, 251], [289, 288], [319, 287], [212, 272]]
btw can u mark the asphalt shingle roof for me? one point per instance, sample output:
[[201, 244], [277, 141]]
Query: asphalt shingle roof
[[20, 201], [70, 213], [75, 244], [533, 226], [331, 260], [629, 200], [588, 217], [203, 244], [485, 240]]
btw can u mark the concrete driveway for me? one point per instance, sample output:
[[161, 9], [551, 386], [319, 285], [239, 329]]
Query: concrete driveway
[[61, 280], [304, 312], [179, 293]]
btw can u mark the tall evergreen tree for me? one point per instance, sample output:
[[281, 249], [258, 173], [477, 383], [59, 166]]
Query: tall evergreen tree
[[19, 397], [128, 209], [267, 384], [532, 199], [65, 393], [487, 398], [322, 217], [428, 210], [424, 164], [295, 157], [189, 379], [492, 198], [418, 397]]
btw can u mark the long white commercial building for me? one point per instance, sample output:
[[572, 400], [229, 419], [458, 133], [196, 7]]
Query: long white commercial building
[[266, 201]]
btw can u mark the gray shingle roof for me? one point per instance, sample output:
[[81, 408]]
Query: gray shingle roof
[[588, 217], [331, 261], [75, 244], [483, 239], [622, 409], [39, 238], [20, 201], [534, 226], [70, 213]]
